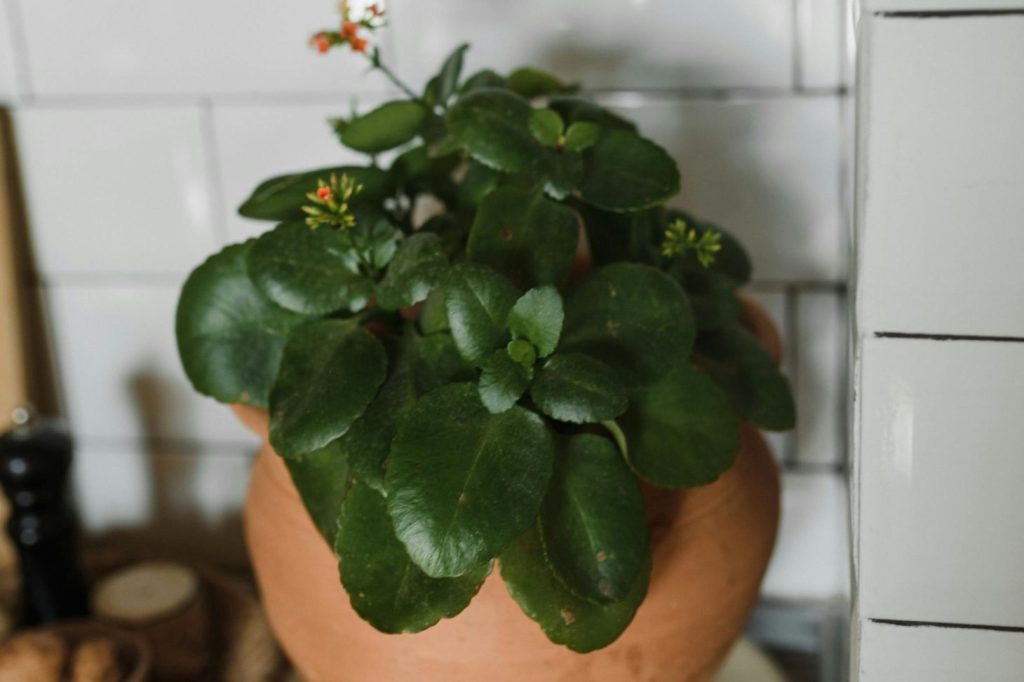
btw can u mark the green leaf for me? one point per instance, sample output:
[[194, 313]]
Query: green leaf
[[593, 524], [581, 135], [330, 372], [573, 109], [532, 83], [633, 236], [485, 78], [445, 83], [565, 618], [322, 479], [572, 387], [282, 197], [681, 430], [438, 362], [742, 367], [626, 172], [633, 317], [478, 300], [492, 125], [433, 317], [367, 442], [419, 265], [386, 589], [478, 182], [546, 126], [463, 483], [560, 172], [713, 297], [309, 271], [386, 127], [524, 235], [537, 316], [502, 382], [230, 337]]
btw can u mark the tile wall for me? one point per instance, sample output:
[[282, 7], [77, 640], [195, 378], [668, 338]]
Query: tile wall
[[141, 125]]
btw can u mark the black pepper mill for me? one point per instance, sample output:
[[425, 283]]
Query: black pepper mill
[[35, 458]]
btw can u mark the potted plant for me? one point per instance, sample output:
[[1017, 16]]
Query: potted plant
[[546, 388]]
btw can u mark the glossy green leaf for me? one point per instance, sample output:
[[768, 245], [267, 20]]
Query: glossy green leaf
[[572, 387], [322, 479], [546, 126], [478, 182], [681, 430], [565, 618], [478, 300], [742, 367], [282, 197], [386, 127], [713, 297], [502, 382], [581, 135], [444, 85], [463, 483], [592, 522], [524, 235], [386, 589], [419, 265], [309, 271], [633, 317], [330, 371], [560, 172], [626, 172], [230, 336], [634, 236], [574, 109], [438, 362], [531, 83], [485, 78], [492, 125], [537, 316]]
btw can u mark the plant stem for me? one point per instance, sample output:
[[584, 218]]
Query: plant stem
[[376, 62]]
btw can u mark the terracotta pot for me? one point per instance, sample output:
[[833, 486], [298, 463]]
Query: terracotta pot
[[711, 546]]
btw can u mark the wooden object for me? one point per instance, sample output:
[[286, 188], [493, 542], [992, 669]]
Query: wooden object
[[164, 602]]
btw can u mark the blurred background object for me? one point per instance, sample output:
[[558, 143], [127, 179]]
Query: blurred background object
[[140, 126]]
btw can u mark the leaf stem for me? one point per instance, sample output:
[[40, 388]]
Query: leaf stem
[[376, 62]]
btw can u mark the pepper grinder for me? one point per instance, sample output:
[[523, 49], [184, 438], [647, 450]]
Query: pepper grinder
[[35, 458]]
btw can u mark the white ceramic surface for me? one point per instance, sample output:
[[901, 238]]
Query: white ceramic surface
[[8, 77], [940, 482], [185, 47], [811, 559], [119, 368], [607, 43], [116, 190], [820, 30], [943, 166], [928, 654], [766, 169], [821, 378], [255, 143], [185, 499]]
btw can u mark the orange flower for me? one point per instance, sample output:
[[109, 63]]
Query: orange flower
[[320, 42], [359, 44], [375, 10], [349, 30], [325, 193]]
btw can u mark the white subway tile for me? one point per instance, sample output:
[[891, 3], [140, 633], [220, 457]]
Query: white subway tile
[[116, 190], [605, 43], [821, 377], [776, 305], [255, 143], [186, 46], [119, 367], [821, 25], [943, 177], [767, 170], [894, 653], [169, 499], [8, 82], [811, 559], [937, 5], [940, 476]]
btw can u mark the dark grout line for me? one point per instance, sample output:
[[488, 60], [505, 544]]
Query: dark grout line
[[948, 337], [950, 626], [950, 14]]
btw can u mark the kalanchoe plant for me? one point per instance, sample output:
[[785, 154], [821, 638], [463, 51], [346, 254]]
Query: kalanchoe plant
[[460, 392]]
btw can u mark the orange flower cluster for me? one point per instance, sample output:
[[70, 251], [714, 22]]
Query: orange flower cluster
[[350, 33]]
